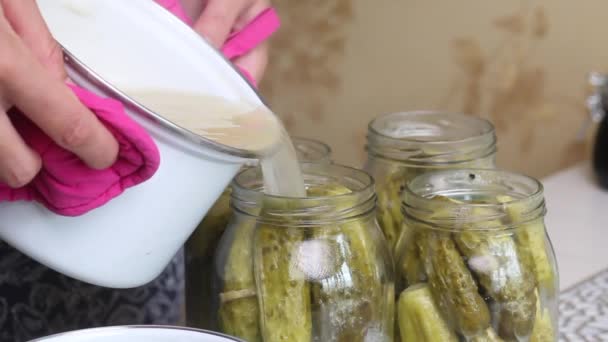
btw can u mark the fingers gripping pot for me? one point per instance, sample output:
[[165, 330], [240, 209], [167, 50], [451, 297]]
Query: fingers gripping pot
[[201, 245], [403, 145], [138, 45], [475, 262], [304, 269]]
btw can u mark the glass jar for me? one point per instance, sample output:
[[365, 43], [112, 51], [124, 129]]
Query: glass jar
[[403, 145], [474, 262], [304, 269], [201, 245]]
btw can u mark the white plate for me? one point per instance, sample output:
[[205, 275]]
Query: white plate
[[139, 334]]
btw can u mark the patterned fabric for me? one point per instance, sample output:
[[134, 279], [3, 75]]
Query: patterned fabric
[[36, 301], [583, 315]]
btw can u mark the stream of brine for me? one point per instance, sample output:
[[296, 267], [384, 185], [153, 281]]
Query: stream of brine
[[238, 125]]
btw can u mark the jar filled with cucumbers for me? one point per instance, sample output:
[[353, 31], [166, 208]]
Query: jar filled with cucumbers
[[474, 262], [201, 245], [403, 145], [304, 269]]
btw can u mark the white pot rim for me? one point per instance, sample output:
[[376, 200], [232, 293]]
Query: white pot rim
[[127, 328]]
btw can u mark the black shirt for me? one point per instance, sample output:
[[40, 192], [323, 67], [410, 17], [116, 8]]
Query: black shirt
[[36, 301]]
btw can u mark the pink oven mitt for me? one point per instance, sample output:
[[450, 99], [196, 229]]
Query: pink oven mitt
[[68, 187]]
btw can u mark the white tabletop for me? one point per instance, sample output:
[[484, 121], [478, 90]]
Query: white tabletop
[[577, 222]]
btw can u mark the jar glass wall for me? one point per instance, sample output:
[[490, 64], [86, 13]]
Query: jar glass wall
[[200, 246], [474, 262], [403, 145], [304, 269]]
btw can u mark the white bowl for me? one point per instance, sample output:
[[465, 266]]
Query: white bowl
[[135, 44], [139, 334]]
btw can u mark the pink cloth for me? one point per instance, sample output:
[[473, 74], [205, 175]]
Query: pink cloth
[[67, 186]]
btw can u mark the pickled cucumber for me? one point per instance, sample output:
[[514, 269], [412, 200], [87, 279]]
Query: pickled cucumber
[[350, 300], [420, 318], [494, 258], [412, 247], [285, 303], [531, 238], [488, 335], [453, 285], [390, 217], [239, 311], [410, 266], [389, 214], [543, 326]]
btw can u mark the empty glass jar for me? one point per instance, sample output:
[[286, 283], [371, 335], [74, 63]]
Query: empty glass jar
[[403, 145], [201, 245], [304, 269], [474, 262]]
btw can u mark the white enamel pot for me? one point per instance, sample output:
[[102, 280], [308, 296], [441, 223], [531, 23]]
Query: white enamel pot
[[112, 45]]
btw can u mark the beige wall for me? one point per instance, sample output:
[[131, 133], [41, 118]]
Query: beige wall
[[337, 63]]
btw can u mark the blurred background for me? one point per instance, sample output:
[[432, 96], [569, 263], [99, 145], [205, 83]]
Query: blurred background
[[336, 64]]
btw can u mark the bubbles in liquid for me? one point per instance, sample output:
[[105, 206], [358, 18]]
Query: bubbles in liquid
[[236, 124], [316, 259]]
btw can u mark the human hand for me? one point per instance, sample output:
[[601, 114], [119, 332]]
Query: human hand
[[219, 18], [32, 79]]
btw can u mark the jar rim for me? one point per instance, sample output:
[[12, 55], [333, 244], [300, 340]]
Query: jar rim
[[452, 137], [523, 195], [427, 117], [316, 149], [247, 194]]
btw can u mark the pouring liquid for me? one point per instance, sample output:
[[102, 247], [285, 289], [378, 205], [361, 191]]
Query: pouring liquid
[[238, 125]]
